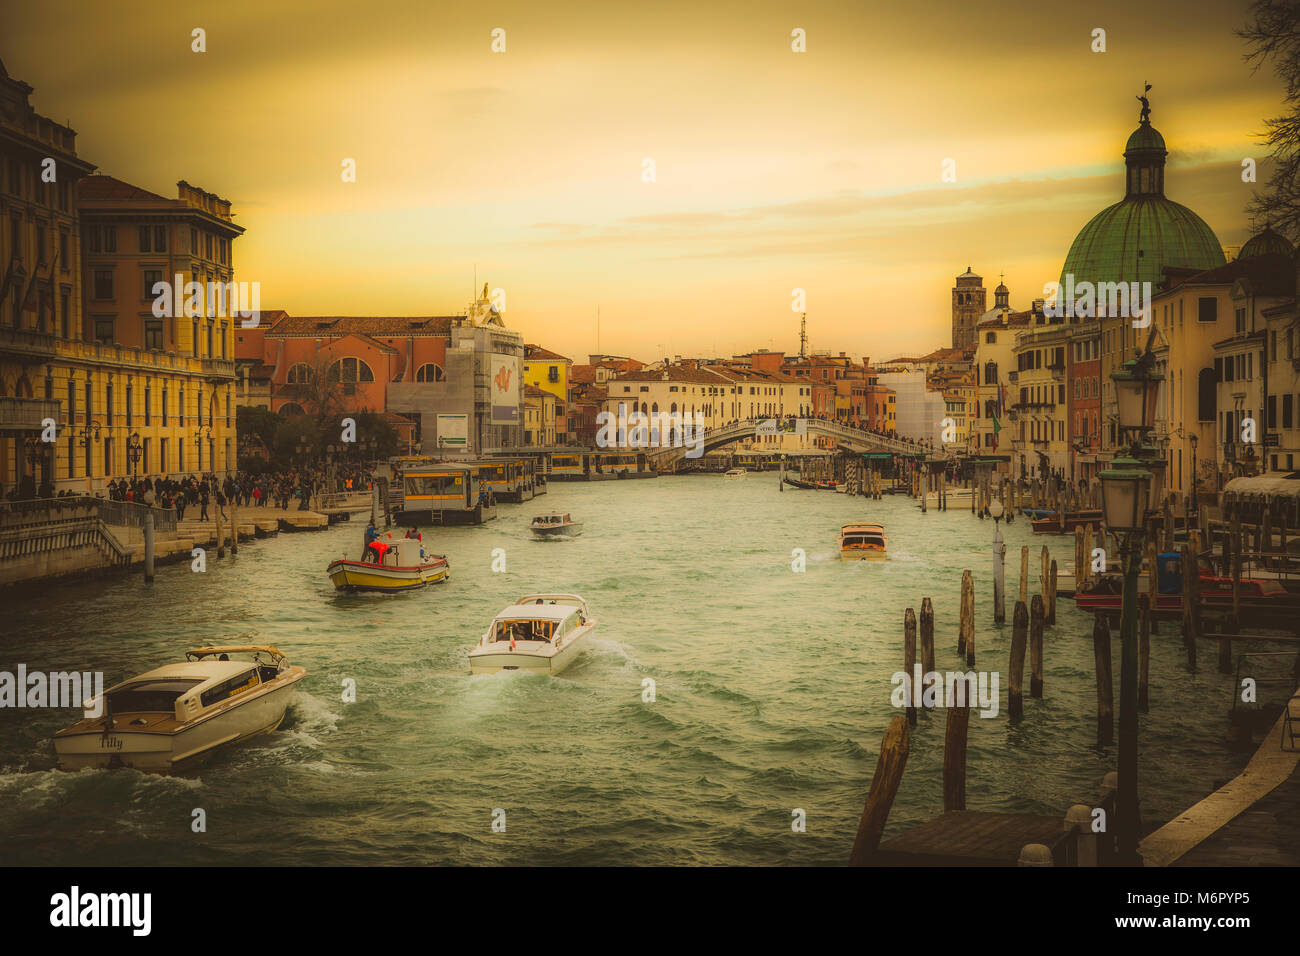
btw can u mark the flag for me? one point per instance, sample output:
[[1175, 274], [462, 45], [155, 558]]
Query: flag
[[997, 427]]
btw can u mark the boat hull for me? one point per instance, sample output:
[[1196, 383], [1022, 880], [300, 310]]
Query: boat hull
[[851, 554], [527, 656], [358, 576], [163, 745], [559, 531]]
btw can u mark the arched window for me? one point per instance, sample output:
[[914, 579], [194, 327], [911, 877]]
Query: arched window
[[350, 370], [430, 372], [291, 410], [300, 373], [990, 373]]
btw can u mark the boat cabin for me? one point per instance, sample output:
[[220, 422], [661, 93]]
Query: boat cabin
[[541, 623]]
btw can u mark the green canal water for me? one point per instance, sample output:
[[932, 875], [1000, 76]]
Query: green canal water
[[772, 690]]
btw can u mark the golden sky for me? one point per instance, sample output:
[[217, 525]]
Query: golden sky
[[774, 169]]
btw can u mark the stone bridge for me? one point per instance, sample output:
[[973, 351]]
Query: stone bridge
[[846, 437]]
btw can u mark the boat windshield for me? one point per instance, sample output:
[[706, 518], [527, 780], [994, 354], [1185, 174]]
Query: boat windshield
[[863, 541], [525, 630], [154, 695]]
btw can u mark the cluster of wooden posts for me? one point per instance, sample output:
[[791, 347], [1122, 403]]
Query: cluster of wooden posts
[[1030, 616]]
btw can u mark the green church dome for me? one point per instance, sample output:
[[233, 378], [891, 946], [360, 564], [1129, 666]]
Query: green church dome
[[1267, 242], [1145, 136], [1133, 240]]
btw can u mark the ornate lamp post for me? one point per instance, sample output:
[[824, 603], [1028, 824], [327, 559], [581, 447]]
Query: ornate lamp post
[[1126, 489], [204, 431], [134, 449]]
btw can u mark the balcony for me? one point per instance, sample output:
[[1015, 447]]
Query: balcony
[[26, 414], [219, 370], [26, 345], [1012, 376]]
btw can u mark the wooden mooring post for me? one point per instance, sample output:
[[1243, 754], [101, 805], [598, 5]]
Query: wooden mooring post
[[1051, 593], [966, 628], [909, 661], [999, 575], [1036, 616], [1191, 607], [927, 636], [891, 763], [954, 756], [1024, 574], [1019, 638]]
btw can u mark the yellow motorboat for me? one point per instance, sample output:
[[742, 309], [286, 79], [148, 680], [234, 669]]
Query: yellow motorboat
[[862, 541], [390, 565]]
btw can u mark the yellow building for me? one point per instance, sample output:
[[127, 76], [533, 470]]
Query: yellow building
[[148, 387], [40, 289], [1207, 392], [1039, 404], [539, 417], [549, 371]]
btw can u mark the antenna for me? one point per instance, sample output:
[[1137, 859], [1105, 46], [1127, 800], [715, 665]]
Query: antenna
[[803, 335]]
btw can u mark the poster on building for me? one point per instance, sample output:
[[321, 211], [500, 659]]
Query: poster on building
[[782, 426], [505, 388], [453, 431]]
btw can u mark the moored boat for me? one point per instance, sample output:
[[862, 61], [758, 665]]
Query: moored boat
[[1054, 522], [399, 564], [735, 474], [174, 717], [539, 633], [555, 524], [863, 541]]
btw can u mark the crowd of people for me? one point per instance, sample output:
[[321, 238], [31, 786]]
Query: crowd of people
[[200, 493]]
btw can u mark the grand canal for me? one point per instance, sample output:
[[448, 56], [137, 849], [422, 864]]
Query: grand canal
[[772, 689]]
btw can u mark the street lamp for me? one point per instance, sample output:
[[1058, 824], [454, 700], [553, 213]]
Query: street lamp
[[134, 449], [1195, 504], [1126, 489]]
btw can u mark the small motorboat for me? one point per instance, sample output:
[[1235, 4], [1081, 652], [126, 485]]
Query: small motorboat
[[734, 474], [390, 564], [174, 717], [863, 542], [539, 633], [1050, 522], [555, 524]]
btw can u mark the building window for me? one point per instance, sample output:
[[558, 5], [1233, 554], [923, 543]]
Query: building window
[[104, 329], [194, 338], [159, 238], [164, 406], [65, 312], [103, 283], [553, 374], [350, 370], [1287, 407], [223, 340], [153, 334], [299, 374], [1207, 309], [194, 242], [151, 278], [130, 400], [110, 238], [432, 372], [146, 234]]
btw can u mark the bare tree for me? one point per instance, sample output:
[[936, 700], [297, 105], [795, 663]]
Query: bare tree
[[1273, 35]]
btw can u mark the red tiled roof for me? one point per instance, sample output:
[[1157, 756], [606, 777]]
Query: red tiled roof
[[107, 188], [544, 355], [315, 326]]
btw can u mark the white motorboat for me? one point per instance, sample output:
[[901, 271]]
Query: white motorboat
[[555, 524], [174, 717], [735, 474], [539, 633]]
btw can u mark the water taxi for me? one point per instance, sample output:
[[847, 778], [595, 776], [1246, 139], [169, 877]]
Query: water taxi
[[174, 717], [735, 474], [863, 542], [539, 633], [555, 524], [402, 565]]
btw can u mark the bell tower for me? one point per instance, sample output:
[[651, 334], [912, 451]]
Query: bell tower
[[968, 304]]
